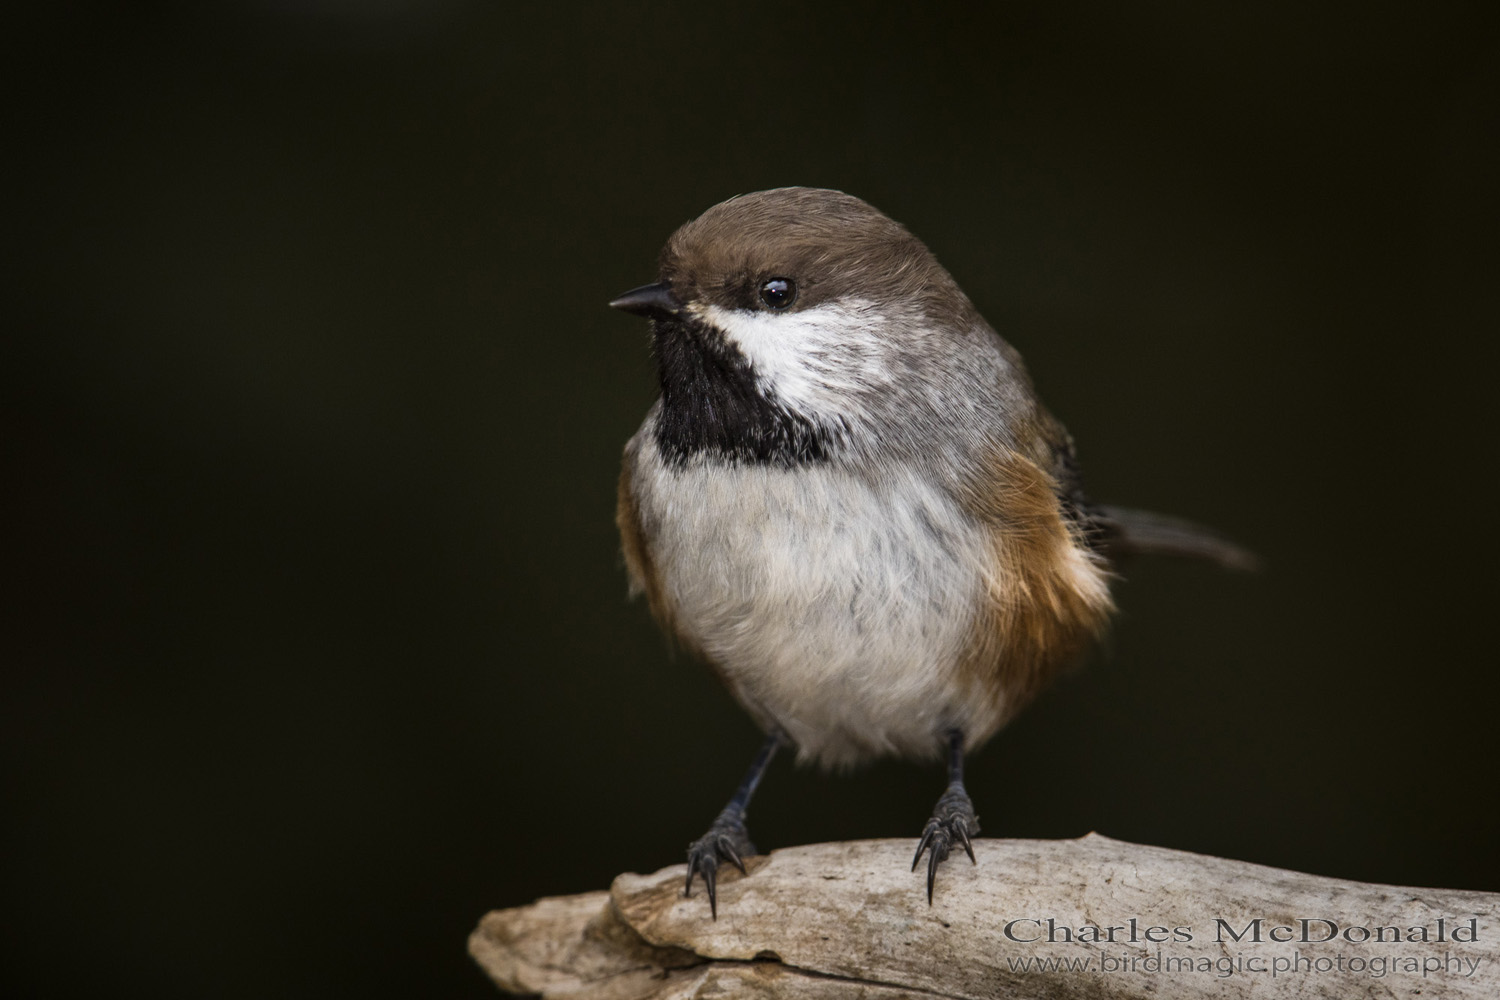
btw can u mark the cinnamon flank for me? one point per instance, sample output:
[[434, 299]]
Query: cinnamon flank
[[1048, 596]]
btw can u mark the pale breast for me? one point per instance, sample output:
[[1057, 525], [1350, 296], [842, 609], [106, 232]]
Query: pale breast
[[837, 607]]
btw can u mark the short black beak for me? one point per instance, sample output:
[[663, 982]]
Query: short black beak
[[649, 300]]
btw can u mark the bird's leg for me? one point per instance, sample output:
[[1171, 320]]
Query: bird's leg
[[952, 820], [727, 839]]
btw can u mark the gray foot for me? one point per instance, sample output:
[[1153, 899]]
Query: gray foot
[[953, 821], [726, 840]]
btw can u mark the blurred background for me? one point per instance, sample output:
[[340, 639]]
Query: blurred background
[[316, 644]]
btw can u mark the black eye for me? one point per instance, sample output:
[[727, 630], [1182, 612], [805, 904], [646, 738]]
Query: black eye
[[778, 293]]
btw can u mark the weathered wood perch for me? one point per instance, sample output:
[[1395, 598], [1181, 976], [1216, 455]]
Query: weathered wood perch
[[849, 919]]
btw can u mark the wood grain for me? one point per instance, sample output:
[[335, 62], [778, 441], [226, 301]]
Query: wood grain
[[850, 919]]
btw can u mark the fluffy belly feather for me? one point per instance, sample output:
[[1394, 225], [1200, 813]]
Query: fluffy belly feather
[[837, 608]]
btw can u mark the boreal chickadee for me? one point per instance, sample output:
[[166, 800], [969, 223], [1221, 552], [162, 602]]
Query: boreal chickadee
[[851, 504]]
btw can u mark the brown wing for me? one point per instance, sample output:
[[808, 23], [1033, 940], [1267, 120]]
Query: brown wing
[[1048, 595]]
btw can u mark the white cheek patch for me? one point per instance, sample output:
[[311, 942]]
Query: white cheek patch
[[815, 358]]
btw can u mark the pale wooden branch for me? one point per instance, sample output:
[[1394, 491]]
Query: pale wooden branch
[[850, 919]]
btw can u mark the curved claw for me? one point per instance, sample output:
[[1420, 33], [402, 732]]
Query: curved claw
[[708, 866], [936, 839], [698, 863], [923, 844], [728, 841], [952, 821], [963, 836], [727, 851], [933, 860]]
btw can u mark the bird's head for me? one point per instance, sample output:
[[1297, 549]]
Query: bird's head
[[784, 320]]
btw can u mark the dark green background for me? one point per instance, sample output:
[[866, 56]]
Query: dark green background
[[316, 644]]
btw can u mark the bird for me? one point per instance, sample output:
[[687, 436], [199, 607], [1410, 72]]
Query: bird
[[849, 502]]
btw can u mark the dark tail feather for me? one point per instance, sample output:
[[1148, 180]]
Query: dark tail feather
[[1131, 532]]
